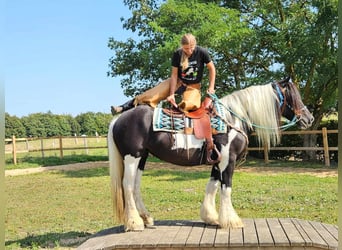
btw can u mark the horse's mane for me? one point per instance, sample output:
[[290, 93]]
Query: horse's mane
[[255, 105]]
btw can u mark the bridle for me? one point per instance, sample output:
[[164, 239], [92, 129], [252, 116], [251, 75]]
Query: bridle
[[283, 103]]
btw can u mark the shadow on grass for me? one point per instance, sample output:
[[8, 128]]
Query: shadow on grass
[[93, 172], [256, 162], [176, 175], [50, 240], [53, 160]]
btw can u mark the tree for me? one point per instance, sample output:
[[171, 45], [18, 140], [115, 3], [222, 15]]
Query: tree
[[14, 126], [252, 42], [301, 37], [34, 125], [145, 62], [102, 121], [88, 124], [75, 127]]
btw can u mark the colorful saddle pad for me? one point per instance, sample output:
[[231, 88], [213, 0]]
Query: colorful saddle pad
[[163, 121]]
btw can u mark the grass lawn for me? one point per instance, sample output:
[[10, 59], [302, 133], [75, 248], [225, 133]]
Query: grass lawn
[[59, 209]]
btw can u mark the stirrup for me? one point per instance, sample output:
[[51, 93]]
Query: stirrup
[[211, 161]]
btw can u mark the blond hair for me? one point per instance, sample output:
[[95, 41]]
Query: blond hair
[[187, 39]]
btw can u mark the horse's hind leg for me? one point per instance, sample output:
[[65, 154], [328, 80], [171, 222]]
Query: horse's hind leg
[[133, 221], [144, 214], [208, 208]]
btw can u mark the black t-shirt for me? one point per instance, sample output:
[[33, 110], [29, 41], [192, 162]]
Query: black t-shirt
[[194, 73]]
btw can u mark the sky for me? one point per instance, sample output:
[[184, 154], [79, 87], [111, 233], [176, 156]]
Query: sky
[[56, 56]]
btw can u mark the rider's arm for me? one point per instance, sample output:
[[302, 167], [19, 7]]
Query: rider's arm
[[173, 84], [212, 76]]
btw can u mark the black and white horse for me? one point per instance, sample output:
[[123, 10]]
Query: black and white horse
[[131, 138]]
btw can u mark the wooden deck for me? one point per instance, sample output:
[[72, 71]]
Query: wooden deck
[[257, 234]]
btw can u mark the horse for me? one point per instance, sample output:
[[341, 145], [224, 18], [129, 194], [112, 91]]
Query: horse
[[131, 139]]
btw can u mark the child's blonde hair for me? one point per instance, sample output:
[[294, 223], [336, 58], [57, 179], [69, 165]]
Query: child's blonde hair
[[187, 39]]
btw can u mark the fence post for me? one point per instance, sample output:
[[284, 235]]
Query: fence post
[[42, 146], [266, 154], [326, 147], [86, 144], [14, 150], [60, 147]]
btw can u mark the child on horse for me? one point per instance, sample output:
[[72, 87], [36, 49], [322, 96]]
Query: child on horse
[[187, 72]]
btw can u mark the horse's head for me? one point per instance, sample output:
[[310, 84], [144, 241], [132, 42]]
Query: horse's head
[[291, 104]]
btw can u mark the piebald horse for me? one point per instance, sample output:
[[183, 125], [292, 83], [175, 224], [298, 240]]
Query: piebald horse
[[131, 138]]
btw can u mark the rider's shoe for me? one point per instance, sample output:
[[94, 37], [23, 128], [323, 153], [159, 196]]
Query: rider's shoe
[[119, 109], [116, 110]]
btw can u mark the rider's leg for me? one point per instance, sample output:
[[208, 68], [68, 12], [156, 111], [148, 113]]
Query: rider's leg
[[126, 106], [191, 98], [151, 97]]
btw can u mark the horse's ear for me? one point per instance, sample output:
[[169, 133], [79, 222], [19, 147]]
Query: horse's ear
[[285, 81]]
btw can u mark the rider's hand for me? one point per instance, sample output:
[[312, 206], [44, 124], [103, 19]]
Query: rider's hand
[[211, 91], [171, 99]]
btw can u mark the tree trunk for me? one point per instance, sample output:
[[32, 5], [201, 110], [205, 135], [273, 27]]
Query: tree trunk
[[310, 141]]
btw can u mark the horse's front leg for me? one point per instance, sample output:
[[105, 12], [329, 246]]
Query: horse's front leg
[[133, 221], [208, 211], [228, 218]]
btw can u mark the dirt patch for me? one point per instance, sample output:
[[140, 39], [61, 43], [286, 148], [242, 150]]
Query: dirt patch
[[68, 167], [322, 172]]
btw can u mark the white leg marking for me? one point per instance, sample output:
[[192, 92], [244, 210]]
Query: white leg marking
[[225, 151], [133, 220], [208, 208], [144, 214], [228, 217]]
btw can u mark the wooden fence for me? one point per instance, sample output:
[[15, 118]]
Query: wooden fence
[[58, 144], [325, 148], [61, 144]]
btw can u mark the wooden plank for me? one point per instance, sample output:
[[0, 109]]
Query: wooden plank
[[195, 235], [183, 234], [294, 236], [168, 233], [249, 233], [107, 238], [332, 229], [263, 232], [151, 236], [222, 237], [326, 236], [236, 237], [136, 239], [208, 236], [306, 240], [257, 234], [278, 234], [315, 238], [129, 239]]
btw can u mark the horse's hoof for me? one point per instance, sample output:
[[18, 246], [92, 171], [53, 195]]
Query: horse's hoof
[[148, 221], [232, 225], [135, 229], [134, 226]]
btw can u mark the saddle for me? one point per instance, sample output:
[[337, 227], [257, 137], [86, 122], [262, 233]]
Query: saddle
[[201, 127]]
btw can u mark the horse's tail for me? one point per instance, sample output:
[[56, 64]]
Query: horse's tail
[[116, 168]]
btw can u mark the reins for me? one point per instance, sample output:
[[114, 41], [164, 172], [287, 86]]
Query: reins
[[283, 127]]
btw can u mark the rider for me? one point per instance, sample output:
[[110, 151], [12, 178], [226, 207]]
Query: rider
[[187, 72]]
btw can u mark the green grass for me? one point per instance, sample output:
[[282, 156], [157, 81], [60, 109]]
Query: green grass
[[59, 209]]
